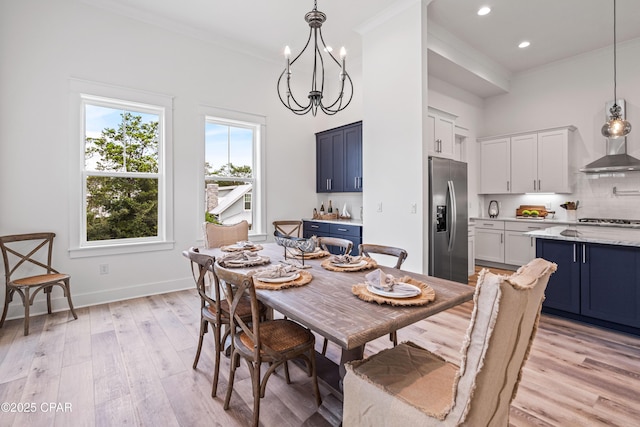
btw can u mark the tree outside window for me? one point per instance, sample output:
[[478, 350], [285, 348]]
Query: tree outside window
[[121, 169]]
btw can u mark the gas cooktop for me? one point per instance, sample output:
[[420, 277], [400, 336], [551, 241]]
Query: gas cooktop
[[609, 221]]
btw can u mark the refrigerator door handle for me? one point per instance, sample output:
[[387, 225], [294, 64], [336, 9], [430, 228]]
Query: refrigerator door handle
[[454, 213]]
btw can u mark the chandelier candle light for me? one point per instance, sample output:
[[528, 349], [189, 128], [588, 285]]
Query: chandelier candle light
[[315, 19], [617, 126]]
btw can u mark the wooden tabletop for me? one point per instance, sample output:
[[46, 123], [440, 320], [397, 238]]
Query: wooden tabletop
[[327, 306]]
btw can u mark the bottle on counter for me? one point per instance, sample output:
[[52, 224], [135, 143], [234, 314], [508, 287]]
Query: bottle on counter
[[322, 209], [330, 210]]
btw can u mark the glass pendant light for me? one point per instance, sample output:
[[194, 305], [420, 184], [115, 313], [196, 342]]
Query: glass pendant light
[[617, 126]]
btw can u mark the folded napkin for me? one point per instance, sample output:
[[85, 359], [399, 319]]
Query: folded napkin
[[386, 282], [245, 244], [345, 259], [275, 271], [244, 256]]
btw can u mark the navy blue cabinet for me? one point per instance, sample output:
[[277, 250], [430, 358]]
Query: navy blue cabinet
[[610, 283], [339, 159], [563, 290], [326, 229], [594, 282]]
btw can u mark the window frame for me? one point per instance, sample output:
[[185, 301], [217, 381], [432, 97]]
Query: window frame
[[82, 94], [258, 124]]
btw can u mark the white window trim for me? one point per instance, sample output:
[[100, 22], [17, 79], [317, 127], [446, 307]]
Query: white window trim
[[259, 229], [81, 91]]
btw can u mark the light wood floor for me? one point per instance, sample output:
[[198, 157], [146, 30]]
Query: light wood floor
[[129, 363]]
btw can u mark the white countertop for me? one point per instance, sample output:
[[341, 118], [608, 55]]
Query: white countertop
[[351, 221], [591, 234], [559, 222]]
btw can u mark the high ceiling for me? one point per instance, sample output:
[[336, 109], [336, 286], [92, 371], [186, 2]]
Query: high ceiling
[[557, 29]]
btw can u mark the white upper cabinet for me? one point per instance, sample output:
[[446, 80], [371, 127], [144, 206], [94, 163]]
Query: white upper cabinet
[[555, 149], [495, 166], [538, 162], [524, 163], [441, 140]]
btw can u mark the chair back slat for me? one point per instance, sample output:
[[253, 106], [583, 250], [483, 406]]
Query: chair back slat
[[367, 248], [201, 268]]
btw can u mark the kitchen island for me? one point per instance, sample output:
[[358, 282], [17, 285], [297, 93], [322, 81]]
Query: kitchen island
[[598, 276]]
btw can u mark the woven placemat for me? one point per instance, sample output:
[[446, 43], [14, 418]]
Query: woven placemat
[[234, 248], [305, 277], [428, 294], [309, 255], [371, 263]]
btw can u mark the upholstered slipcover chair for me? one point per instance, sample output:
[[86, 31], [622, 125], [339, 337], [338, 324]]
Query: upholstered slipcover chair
[[217, 235], [409, 386]]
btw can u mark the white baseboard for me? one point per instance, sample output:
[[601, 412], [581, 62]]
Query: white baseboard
[[59, 302]]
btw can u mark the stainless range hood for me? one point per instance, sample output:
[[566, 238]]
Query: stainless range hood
[[617, 159]]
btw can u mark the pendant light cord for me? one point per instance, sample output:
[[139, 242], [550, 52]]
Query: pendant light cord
[[615, 61]]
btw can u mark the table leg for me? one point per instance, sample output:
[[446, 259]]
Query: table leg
[[347, 356]]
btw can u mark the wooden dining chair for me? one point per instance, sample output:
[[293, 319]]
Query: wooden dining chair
[[344, 245], [217, 235], [22, 253], [367, 248], [409, 385], [290, 228], [272, 341], [214, 310]]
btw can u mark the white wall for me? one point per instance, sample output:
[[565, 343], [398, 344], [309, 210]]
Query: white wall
[[394, 109], [574, 92], [43, 44]]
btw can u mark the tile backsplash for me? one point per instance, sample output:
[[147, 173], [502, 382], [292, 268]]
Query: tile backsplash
[[595, 193]]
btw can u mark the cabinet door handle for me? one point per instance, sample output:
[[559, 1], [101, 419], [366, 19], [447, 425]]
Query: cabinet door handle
[[342, 229], [315, 226], [508, 186], [539, 186], [531, 241], [330, 183], [355, 182], [574, 252], [534, 185], [327, 185], [584, 254], [439, 146], [501, 237]]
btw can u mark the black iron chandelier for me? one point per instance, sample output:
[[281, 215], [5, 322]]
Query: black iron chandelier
[[315, 19]]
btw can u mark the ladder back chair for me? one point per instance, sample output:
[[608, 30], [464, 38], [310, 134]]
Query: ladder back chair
[[217, 235], [400, 254], [272, 341], [214, 310], [23, 255]]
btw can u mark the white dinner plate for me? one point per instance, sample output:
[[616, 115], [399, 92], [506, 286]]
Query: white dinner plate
[[282, 279], [357, 264], [407, 291]]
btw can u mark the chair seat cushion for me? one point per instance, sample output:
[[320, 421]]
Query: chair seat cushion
[[41, 279], [417, 376], [281, 335]]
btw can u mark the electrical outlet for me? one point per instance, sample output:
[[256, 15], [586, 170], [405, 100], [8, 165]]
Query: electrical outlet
[[414, 208], [104, 268], [379, 209]]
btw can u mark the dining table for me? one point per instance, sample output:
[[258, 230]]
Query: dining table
[[327, 305]]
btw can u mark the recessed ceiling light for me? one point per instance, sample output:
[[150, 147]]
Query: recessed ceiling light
[[484, 10], [524, 44]]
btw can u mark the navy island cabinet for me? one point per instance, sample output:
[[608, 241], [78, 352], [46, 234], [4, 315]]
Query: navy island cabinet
[[339, 159], [596, 283]]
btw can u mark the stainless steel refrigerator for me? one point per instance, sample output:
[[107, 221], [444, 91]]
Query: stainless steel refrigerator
[[448, 220]]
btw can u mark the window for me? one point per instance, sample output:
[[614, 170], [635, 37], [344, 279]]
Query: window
[[124, 199], [233, 168]]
